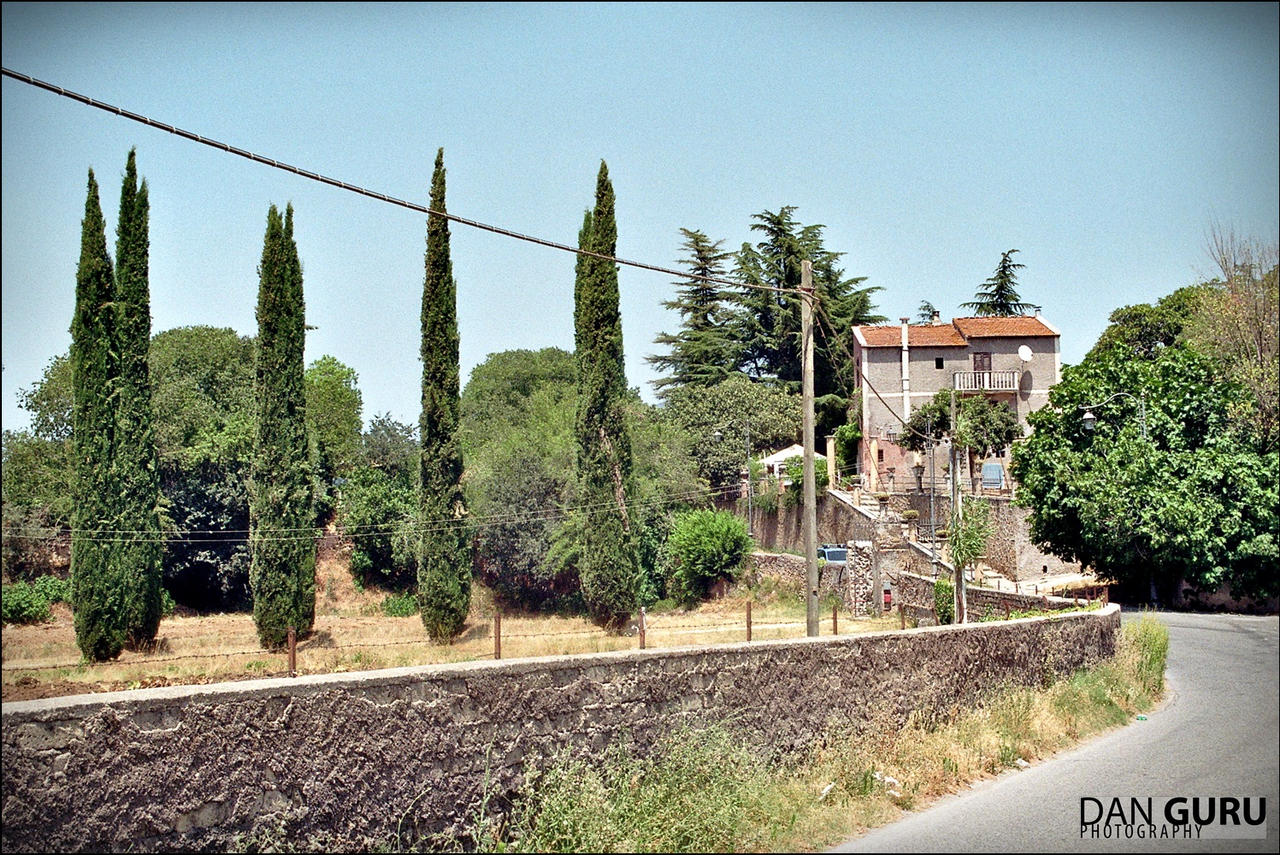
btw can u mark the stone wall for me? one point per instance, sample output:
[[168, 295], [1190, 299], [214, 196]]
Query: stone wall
[[348, 759], [783, 529], [917, 596]]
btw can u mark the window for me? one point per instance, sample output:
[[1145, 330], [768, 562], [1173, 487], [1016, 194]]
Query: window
[[937, 362], [982, 362], [879, 455]]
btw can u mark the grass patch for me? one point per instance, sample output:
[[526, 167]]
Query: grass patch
[[705, 790]]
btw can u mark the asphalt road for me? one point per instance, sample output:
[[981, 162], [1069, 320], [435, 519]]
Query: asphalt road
[[1217, 734]]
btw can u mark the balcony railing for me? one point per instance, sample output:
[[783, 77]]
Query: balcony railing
[[986, 381]]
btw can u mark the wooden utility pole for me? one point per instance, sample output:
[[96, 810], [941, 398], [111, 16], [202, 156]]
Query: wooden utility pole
[[956, 500], [810, 486]]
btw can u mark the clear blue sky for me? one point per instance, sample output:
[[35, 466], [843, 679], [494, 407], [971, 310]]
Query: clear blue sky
[[1100, 140]]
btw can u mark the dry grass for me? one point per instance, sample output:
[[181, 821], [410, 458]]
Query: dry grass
[[351, 634]]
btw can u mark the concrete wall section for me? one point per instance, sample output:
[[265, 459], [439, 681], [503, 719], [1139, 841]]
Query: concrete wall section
[[348, 758]]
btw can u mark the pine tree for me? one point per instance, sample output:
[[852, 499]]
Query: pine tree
[[98, 587], [704, 352], [998, 296], [608, 567], [137, 473], [444, 560], [282, 574]]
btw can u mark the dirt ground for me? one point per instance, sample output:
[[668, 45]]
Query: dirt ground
[[352, 634]]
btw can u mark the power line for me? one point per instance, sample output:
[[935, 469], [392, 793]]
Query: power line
[[372, 194]]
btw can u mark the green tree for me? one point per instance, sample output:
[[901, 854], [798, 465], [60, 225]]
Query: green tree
[[607, 561], [1237, 323], [925, 313], [98, 583], [518, 413], [1189, 502], [984, 426], [704, 352], [334, 405], [998, 296], [444, 560], [1146, 328], [282, 503], [733, 409], [970, 530], [137, 467], [704, 546]]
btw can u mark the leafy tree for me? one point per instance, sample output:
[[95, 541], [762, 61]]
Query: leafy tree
[[704, 546], [729, 408], [391, 446], [282, 502], [137, 467], [378, 511], [444, 560], [1190, 502], [99, 583], [334, 414], [984, 426], [970, 529], [704, 352], [1147, 328], [518, 413], [998, 296], [607, 561], [1237, 323], [333, 424]]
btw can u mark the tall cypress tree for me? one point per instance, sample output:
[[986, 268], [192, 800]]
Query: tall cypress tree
[[444, 559], [607, 566], [137, 475], [283, 569], [98, 589]]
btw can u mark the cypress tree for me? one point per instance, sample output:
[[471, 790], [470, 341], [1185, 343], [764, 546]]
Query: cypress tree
[[98, 591], [607, 566], [444, 560], [282, 573], [137, 475]]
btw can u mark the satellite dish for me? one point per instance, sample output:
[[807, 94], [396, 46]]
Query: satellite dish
[[1024, 353]]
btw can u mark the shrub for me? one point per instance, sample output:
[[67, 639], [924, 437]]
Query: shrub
[[400, 605], [944, 601], [23, 603], [53, 589], [704, 546]]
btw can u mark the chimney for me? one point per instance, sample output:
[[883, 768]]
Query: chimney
[[937, 318]]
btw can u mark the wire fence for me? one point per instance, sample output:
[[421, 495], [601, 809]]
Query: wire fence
[[642, 633]]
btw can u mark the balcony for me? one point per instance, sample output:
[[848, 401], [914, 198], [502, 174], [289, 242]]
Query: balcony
[[985, 381]]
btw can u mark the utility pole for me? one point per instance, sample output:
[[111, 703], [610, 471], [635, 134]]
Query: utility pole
[[955, 508], [810, 488]]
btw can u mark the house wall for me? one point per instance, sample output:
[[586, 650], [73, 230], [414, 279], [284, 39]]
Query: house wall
[[882, 367], [352, 761]]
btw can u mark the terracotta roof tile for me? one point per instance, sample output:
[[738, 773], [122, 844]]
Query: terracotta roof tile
[[1016, 327], [922, 335]]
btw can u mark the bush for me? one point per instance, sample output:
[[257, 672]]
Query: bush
[[944, 601], [400, 605], [704, 546], [23, 603], [53, 589], [376, 510]]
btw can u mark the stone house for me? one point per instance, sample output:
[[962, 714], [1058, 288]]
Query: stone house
[[1010, 359]]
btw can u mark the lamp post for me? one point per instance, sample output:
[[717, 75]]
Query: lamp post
[[1090, 420], [719, 435]]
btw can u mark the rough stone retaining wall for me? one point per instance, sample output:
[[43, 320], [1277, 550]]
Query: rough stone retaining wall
[[917, 596], [344, 759]]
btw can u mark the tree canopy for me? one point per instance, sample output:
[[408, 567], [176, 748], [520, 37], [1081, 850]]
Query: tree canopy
[[1195, 501], [998, 296]]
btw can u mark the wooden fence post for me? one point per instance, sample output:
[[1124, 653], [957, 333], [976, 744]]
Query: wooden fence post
[[748, 620], [293, 652], [497, 633], [642, 627]]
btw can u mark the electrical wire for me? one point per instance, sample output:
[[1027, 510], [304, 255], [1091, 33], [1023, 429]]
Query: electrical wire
[[355, 188]]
